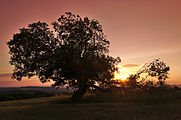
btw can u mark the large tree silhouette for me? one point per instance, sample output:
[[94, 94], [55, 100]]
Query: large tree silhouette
[[74, 54]]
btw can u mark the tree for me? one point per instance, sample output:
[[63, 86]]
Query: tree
[[74, 54], [156, 68]]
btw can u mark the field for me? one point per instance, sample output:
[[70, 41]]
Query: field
[[94, 107]]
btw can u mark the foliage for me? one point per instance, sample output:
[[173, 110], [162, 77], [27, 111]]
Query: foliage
[[157, 69], [75, 54]]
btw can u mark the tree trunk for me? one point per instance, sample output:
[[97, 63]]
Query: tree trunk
[[80, 92], [82, 88]]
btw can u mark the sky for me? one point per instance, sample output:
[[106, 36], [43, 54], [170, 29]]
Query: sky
[[138, 30]]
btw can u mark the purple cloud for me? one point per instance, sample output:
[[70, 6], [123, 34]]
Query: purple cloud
[[5, 75], [130, 65]]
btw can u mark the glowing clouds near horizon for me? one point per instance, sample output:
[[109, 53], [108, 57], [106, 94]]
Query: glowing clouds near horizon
[[124, 71]]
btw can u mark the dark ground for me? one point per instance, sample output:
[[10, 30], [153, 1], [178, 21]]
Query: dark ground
[[94, 108]]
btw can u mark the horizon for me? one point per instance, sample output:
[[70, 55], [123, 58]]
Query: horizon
[[139, 31]]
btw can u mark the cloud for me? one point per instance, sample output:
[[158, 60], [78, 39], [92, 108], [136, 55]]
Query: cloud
[[130, 65], [5, 75]]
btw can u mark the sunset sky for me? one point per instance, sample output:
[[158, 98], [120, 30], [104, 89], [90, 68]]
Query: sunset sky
[[138, 30]]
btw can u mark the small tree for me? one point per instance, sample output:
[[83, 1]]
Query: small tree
[[75, 54], [159, 70], [156, 69]]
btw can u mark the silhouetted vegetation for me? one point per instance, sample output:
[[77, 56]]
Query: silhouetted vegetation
[[136, 83], [156, 69], [75, 54]]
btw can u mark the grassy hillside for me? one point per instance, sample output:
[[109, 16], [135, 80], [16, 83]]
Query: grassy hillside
[[90, 108]]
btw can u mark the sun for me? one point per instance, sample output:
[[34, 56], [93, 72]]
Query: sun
[[123, 73], [121, 76]]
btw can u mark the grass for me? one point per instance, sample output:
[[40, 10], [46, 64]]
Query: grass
[[162, 106]]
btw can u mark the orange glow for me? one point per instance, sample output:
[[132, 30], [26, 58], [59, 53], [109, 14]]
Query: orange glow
[[138, 30], [124, 72]]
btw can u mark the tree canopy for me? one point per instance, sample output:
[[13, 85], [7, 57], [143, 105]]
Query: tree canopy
[[75, 54]]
